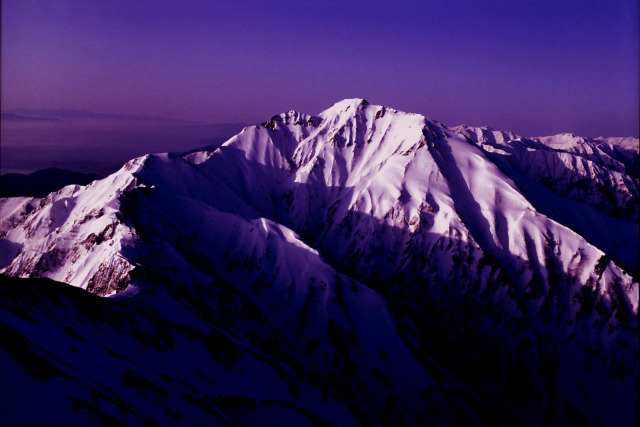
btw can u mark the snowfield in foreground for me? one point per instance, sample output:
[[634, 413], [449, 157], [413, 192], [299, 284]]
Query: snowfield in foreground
[[363, 266]]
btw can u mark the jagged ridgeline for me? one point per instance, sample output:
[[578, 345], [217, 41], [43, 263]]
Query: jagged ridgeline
[[361, 266]]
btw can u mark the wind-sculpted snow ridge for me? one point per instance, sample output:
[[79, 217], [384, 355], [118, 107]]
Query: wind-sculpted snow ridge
[[387, 268]]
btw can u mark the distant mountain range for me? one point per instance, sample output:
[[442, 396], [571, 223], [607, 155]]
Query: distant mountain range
[[61, 115], [14, 117], [363, 266], [97, 143], [42, 182]]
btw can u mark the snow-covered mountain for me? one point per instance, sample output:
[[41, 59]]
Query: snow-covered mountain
[[387, 268]]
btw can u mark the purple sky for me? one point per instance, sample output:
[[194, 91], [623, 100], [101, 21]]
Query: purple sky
[[538, 67]]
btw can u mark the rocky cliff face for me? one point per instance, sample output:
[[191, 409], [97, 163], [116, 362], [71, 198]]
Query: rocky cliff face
[[409, 270]]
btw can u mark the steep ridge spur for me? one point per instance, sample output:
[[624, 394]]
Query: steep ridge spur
[[588, 185], [415, 270]]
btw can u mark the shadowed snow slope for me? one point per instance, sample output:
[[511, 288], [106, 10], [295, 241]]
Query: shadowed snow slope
[[360, 266]]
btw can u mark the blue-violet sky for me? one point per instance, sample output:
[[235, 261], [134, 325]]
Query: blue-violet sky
[[532, 67]]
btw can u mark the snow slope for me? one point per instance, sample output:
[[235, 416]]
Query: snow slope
[[588, 185], [409, 270]]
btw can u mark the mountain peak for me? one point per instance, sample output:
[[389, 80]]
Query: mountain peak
[[345, 105], [392, 256]]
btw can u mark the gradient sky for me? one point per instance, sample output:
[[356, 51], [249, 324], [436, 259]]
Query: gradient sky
[[535, 67]]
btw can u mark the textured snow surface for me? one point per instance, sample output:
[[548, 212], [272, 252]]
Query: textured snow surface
[[364, 265]]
